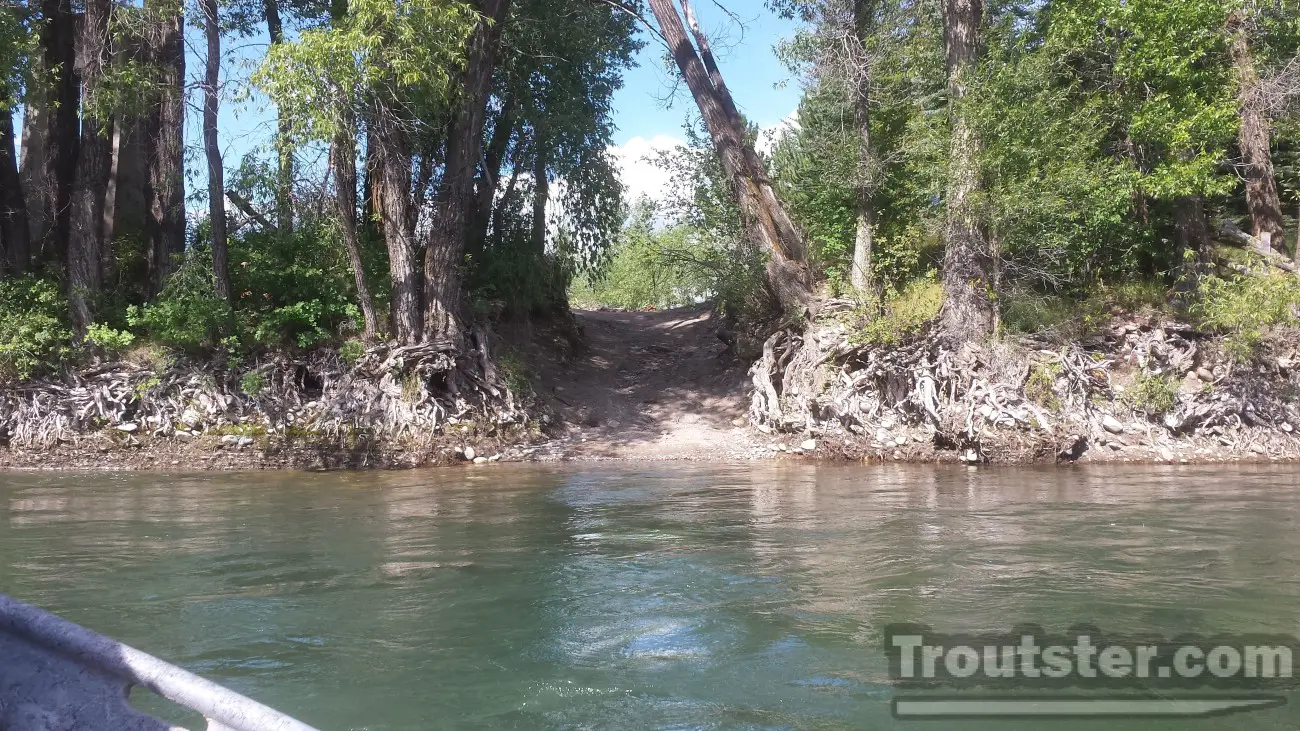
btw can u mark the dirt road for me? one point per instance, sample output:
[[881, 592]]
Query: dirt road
[[651, 385]]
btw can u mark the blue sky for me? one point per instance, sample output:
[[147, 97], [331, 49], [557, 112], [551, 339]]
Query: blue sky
[[760, 83], [649, 111]]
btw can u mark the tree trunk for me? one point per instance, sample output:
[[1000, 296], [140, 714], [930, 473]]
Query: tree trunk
[[1254, 136], [15, 232], [1193, 235], [485, 186], [764, 216], [451, 220], [32, 171], [391, 156], [164, 141], [284, 174], [58, 38], [541, 192], [212, 149], [860, 276], [967, 262], [94, 161], [344, 159]]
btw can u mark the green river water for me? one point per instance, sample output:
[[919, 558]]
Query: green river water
[[665, 596]]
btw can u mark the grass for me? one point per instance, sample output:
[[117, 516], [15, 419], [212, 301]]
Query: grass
[[1151, 394], [1029, 313], [1243, 309], [902, 314]]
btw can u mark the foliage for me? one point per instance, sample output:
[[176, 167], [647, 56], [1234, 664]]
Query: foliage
[[1244, 308], [252, 383], [1151, 394], [108, 338], [902, 314], [351, 351], [35, 336]]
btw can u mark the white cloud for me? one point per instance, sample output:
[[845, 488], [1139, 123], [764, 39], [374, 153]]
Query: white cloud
[[640, 175], [771, 134]]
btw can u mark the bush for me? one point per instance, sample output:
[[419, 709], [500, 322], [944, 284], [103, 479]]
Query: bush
[[1153, 395], [35, 336], [351, 352], [903, 314], [1245, 308], [109, 339]]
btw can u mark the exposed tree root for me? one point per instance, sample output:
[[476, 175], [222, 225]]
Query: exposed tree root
[[409, 393], [1029, 400]]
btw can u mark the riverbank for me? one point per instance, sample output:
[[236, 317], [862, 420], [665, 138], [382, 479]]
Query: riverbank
[[665, 385]]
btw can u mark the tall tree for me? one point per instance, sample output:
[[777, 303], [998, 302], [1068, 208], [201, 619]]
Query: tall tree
[[765, 217], [451, 221], [15, 232], [86, 233], [1254, 134], [343, 158], [59, 97], [284, 152], [163, 129], [212, 149], [860, 274], [968, 313]]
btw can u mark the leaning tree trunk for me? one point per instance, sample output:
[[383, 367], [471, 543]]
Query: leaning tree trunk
[[58, 39], [860, 276], [967, 263], [541, 192], [390, 163], [164, 141], [343, 158], [212, 150], [284, 173], [94, 160], [764, 216], [15, 231], [451, 221], [1254, 137]]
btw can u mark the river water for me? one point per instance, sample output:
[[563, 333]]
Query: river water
[[666, 596]]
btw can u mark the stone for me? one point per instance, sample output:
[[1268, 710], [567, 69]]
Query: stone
[[244, 441], [469, 453], [1112, 425], [882, 434], [127, 427], [739, 421], [1286, 427], [809, 445], [480, 460], [613, 424], [183, 436], [1258, 448], [229, 439], [1191, 383], [1204, 374]]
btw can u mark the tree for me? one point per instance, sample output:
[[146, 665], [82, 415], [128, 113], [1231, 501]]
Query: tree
[[451, 221], [860, 274], [968, 313], [163, 129], [15, 231], [212, 149], [765, 217], [1254, 133], [87, 233], [284, 151]]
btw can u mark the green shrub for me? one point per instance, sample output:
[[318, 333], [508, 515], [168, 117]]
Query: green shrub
[[1040, 386], [108, 338], [1153, 395], [252, 383], [35, 336], [903, 314], [351, 352], [1243, 309], [187, 315]]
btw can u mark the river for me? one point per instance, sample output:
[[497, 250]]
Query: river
[[661, 596]]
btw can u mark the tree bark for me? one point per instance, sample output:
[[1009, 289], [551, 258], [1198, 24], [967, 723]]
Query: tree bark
[[390, 150], [1193, 235], [32, 171], [485, 186], [343, 157], [541, 192], [284, 173], [1254, 136], [451, 221], [967, 263], [860, 276], [164, 141], [15, 231], [764, 217], [86, 242], [58, 39], [212, 149]]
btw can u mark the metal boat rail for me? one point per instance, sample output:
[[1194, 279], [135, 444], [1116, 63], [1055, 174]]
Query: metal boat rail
[[55, 674]]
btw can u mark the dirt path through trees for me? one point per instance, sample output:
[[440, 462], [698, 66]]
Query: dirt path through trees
[[651, 385]]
